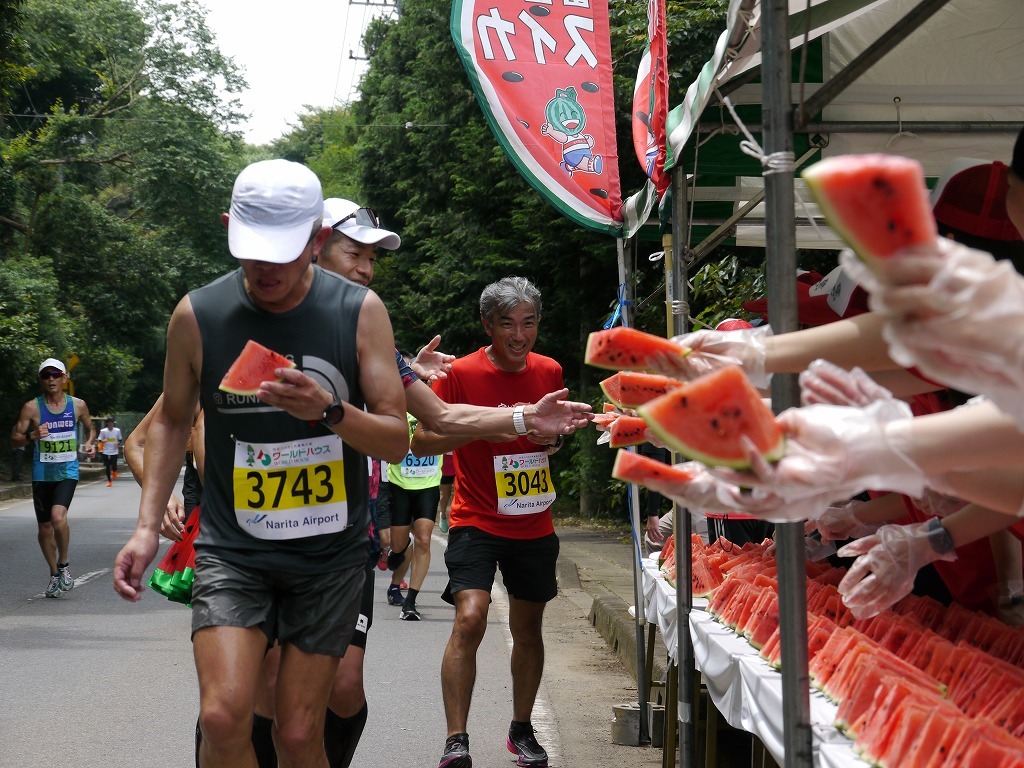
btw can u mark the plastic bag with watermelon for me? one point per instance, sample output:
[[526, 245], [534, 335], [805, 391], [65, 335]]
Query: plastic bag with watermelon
[[175, 572]]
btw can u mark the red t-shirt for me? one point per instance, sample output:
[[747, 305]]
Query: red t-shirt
[[516, 468]]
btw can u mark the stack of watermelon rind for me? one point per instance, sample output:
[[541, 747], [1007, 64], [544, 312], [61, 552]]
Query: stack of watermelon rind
[[175, 572], [921, 685]]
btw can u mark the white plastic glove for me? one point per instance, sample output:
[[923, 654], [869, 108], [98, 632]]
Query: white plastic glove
[[826, 383], [835, 451], [958, 316], [701, 494], [933, 502], [710, 350], [841, 522], [887, 564]]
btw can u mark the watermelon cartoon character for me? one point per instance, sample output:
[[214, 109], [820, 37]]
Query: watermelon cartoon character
[[566, 119]]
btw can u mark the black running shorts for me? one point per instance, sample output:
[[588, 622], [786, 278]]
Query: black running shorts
[[527, 565], [47, 495], [409, 506], [317, 613]]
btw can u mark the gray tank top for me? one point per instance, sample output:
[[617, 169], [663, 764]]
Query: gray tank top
[[281, 493]]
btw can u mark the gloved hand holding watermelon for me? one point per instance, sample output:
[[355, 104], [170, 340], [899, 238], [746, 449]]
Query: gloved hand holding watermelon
[[835, 451], [710, 350], [887, 564], [960, 320]]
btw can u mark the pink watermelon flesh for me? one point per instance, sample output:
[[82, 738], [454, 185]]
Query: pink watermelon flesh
[[628, 389], [706, 418], [628, 430], [877, 203], [255, 365], [627, 349], [631, 467]]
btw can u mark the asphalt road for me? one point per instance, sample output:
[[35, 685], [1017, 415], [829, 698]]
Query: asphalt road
[[90, 681]]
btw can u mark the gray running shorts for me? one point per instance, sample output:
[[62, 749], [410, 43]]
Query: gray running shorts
[[316, 613]]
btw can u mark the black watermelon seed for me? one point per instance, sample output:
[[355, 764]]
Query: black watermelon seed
[[539, 10], [586, 85], [524, 123], [512, 77], [603, 193]]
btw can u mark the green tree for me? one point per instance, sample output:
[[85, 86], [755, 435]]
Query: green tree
[[115, 166]]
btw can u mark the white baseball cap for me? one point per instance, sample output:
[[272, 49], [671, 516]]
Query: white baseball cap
[[52, 362], [274, 205], [361, 224]]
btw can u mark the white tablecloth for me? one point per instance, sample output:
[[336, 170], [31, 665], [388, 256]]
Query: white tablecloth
[[746, 691]]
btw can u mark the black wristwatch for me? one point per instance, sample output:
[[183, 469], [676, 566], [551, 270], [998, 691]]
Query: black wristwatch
[[334, 414]]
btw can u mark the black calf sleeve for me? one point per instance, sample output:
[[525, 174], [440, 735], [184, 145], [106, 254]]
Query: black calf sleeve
[[341, 736]]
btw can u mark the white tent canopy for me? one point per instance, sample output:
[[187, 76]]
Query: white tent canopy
[[953, 88]]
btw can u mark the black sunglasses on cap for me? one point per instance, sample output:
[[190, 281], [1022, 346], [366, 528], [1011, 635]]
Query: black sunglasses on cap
[[365, 217]]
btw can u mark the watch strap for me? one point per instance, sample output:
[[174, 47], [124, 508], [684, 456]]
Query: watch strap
[[519, 419]]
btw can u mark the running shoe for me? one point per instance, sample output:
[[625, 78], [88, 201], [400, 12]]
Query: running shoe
[[382, 561], [395, 596], [53, 588], [409, 613], [444, 524], [115, 474], [109, 483], [456, 752], [67, 583], [403, 584], [523, 743]]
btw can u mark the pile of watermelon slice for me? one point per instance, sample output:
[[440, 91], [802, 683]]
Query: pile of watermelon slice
[[919, 685], [175, 572]]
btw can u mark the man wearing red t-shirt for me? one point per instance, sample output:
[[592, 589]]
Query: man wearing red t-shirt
[[500, 516]]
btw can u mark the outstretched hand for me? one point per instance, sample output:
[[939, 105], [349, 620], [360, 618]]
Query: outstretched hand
[[710, 350], [887, 564], [431, 365], [551, 415]]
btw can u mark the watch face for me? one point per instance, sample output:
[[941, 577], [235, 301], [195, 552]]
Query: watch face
[[334, 414]]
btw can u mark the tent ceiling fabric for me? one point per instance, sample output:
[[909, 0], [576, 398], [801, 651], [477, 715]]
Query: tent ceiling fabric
[[964, 64]]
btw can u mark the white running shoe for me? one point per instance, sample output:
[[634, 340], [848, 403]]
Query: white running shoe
[[53, 589], [67, 583]]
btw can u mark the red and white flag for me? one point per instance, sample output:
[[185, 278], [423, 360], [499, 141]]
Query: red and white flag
[[650, 100], [542, 73]]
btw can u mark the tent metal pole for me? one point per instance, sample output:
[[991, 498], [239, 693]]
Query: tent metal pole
[[678, 306], [891, 126], [867, 59], [626, 249], [782, 308]]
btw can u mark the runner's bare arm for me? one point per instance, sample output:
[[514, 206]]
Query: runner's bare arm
[[426, 442], [165, 447], [24, 431], [83, 416]]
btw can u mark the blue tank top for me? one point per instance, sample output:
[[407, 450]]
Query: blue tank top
[[55, 457]]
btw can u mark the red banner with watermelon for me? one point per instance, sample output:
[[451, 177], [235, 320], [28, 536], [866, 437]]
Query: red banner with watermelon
[[650, 100], [543, 76]]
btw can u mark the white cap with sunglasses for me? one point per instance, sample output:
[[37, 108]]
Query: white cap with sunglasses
[[53, 363], [361, 224]]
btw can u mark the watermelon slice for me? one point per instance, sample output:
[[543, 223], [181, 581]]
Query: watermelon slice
[[628, 389], [628, 430], [877, 203], [631, 467], [255, 365], [706, 419], [627, 349]]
